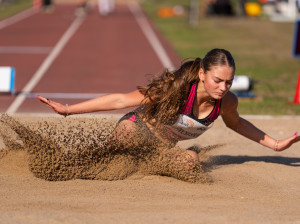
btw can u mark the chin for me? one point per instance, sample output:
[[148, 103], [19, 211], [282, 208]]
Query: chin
[[218, 97]]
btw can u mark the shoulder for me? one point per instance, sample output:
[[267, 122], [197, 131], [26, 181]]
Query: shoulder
[[229, 103]]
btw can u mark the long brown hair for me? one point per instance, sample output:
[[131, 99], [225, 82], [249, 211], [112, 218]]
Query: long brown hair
[[166, 94]]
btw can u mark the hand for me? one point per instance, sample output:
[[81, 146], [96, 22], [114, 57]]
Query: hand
[[286, 143], [57, 107]]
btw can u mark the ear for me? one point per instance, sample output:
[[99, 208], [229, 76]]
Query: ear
[[201, 74]]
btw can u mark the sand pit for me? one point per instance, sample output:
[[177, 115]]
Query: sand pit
[[246, 183]]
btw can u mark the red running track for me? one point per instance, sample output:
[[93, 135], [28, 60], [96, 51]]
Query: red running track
[[104, 55]]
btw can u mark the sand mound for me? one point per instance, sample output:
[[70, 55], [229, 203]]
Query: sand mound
[[79, 149], [251, 184]]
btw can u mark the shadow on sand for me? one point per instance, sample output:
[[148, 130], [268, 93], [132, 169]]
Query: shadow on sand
[[228, 160]]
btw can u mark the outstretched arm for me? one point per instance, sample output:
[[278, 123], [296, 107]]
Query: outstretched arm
[[233, 121], [102, 103]]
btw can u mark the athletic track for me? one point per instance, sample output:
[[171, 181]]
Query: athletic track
[[69, 58]]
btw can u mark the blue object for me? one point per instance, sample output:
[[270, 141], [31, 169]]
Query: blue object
[[245, 95], [296, 42], [7, 79], [12, 80]]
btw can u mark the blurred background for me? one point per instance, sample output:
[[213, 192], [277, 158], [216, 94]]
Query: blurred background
[[258, 33]]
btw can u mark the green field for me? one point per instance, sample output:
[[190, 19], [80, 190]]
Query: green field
[[11, 7], [261, 48]]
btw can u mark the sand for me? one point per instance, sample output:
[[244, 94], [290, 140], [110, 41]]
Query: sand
[[246, 183]]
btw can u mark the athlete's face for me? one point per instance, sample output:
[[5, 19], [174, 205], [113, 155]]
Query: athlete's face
[[217, 81]]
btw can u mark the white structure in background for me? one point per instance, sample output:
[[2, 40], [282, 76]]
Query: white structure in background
[[242, 86], [106, 7], [241, 83], [282, 10], [7, 79]]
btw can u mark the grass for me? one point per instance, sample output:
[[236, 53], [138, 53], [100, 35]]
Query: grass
[[11, 7], [261, 48]]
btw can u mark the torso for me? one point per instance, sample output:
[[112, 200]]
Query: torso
[[189, 126]]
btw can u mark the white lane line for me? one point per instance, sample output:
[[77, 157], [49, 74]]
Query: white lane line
[[18, 17], [116, 114], [24, 50], [151, 36], [65, 95], [46, 64], [268, 117]]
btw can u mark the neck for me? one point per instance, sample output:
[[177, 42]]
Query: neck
[[202, 95]]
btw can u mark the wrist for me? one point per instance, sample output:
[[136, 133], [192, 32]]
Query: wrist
[[275, 147], [68, 110]]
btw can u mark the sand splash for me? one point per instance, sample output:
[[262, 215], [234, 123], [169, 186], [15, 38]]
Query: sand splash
[[73, 148]]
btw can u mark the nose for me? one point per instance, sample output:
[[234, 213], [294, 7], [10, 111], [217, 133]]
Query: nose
[[223, 86]]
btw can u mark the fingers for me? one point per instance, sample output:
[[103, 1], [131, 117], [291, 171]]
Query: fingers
[[291, 140], [46, 100], [297, 138], [57, 107], [42, 99], [286, 143]]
